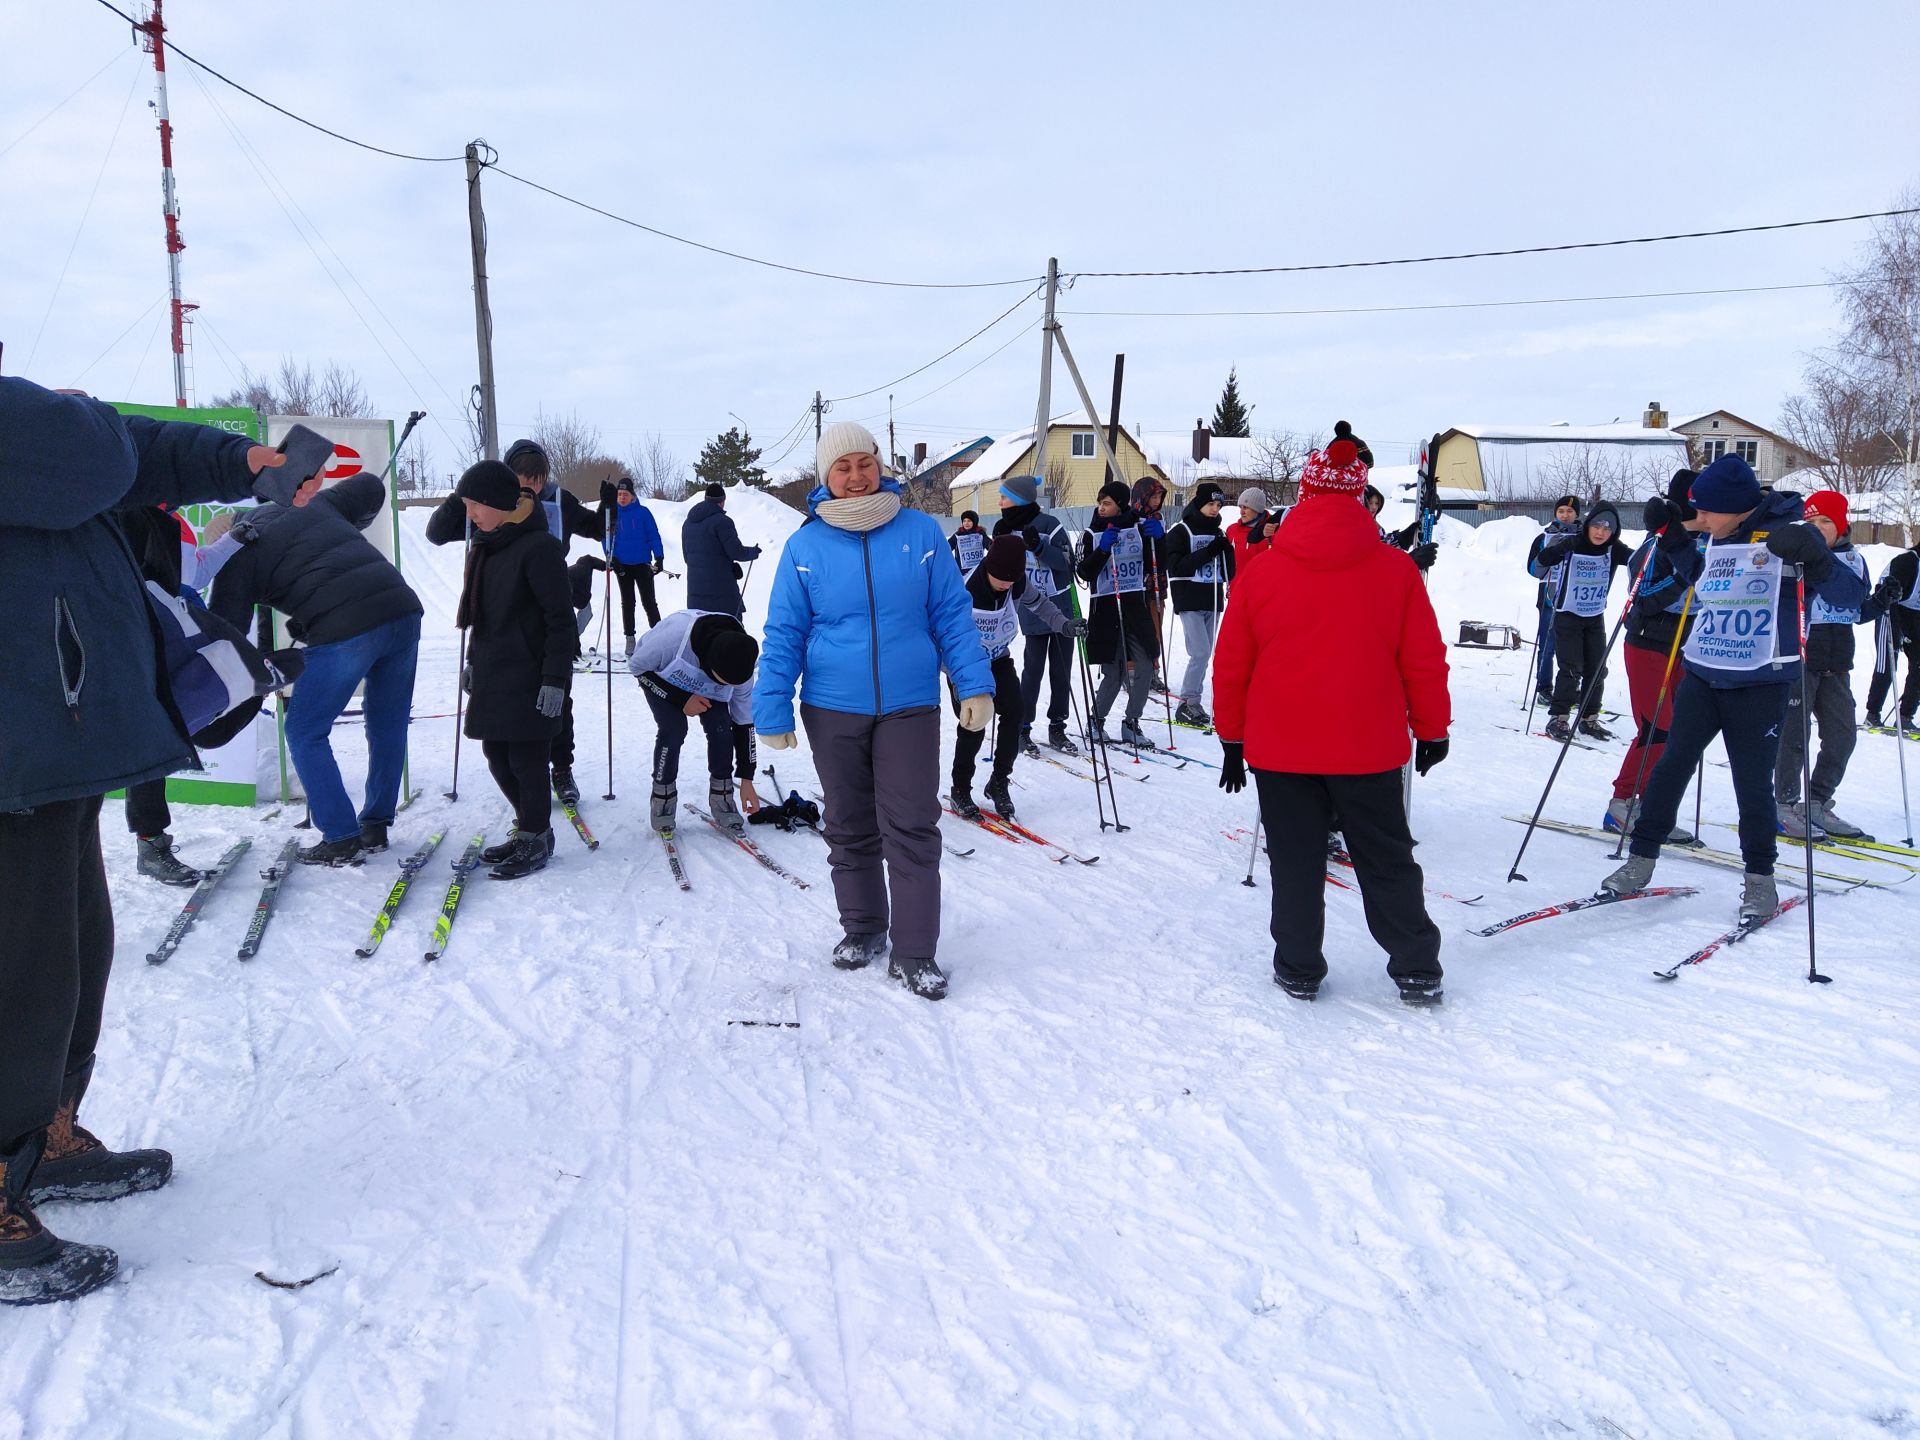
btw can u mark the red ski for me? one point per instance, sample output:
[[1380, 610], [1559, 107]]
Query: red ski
[[1589, 902]]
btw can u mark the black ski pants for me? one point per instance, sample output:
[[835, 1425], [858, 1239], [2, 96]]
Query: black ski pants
[[54, 960], [1580, 645], [560, 748], [1905, 642], [1048, 656], [1297, 811], [147, 809], [1006, 744], [629, 577], [1748, 718], [520, 770], [670, 733]]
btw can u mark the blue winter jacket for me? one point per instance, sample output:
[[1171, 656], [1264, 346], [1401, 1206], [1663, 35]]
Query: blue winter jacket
[[864, 624], [632, 536], [85, 706]]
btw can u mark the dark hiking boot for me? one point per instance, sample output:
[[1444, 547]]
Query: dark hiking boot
[[661, 806], [1593, 729], [37, 1267], [373, 836], [1000, 796], [346, 851], [722, 806], [565, 786], [1188, 712], [528, 854], [856, 952], [1298, 989], [1558, 728], [961, 800], [1874, 722], [1759, 898], [1422, 995], [75, 1165], [1132, 734], [1630, 878], [158, 862], [494, 854], [1057, 739], [922, 977]]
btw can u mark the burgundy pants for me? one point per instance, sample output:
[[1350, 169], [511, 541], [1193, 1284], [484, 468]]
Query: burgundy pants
[[1645, 669]]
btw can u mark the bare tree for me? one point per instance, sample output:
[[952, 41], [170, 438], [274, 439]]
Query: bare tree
[[1847, 425], [573, 452], [341, 393], [418, 474], [795, 489], [294, 390], [656, 470]]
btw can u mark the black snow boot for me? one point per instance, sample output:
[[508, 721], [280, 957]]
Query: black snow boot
[[1057, 739], [1027, 745], [346, 851], [1421, 995], [922, 977], [494, 854], [528, 854], [961, 799], [1559, 728], [158, 862], [36, 1266], [856, 952], [76, 1166], [373, 836], [1000, 796], [1591, 727], [565, 786], [1298, 989]]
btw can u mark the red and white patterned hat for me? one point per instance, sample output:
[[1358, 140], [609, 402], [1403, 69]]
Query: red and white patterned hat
[[1335, 470]]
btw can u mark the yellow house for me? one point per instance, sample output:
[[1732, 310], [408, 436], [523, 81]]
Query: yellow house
[[1070, 476]]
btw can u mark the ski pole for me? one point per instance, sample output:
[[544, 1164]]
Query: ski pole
[[1097, 746], [1586, 693], [1653, 722], [460, 670], [1899, 740], [1814, 977], [1160, 615], [609, 604], [1257, 818]]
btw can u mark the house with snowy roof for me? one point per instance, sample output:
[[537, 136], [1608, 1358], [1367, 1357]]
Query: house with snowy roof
[[1070, 470], [1721, 432], [1496, 463]]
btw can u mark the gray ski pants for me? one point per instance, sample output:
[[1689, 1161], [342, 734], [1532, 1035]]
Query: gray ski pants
[[880, 775], [1834, 719], [1197, 629], [1138, 677]]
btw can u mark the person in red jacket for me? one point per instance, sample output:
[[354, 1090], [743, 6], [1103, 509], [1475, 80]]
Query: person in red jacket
[[1252, 534], [1328, 656]]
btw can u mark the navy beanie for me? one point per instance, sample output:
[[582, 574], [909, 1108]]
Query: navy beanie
[[1726, 487]]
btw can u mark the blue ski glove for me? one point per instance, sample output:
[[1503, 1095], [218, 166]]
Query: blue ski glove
[[1106, 538], [550, 701], [1233, 767], [1151, 527]]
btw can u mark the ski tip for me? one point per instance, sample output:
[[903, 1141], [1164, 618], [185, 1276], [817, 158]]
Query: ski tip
[[1089, 860]]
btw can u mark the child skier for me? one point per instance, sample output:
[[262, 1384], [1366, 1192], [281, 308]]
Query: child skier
[[1046, 655], [1000, 593], [1586, 563], [968, 543], [1566, 516], [700, 662], [1115, 556], [1898, 634], [1200, 561]]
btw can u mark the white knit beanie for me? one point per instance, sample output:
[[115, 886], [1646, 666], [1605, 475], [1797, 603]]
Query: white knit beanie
[[843, 437]]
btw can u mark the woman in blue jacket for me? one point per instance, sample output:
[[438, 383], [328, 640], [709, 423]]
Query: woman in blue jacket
[[866, 612]]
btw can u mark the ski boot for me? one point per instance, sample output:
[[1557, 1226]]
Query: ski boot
[[922, 977], [1591, 727], [1824, 817], [1057, 739], [373, 836], [660, 807], [629, 654], [1620, 817], [1759, 898], [527, 854], [494, 854], [1631, 877], [961, 799], [344, 851], [1792, 821], [1543, 698], [1188, 712], [565, 786], [1000, 796], [1909, 727], [76, 1166], [1298, 989], [1027, 746], [158, 862], [1558, 728], [1421, 995], [722, 806], [1131, 734], [36, 1266], [856, 952]]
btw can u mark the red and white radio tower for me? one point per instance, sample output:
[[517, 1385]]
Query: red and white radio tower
[[152, 34]]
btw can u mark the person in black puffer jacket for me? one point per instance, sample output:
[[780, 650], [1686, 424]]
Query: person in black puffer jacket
[[1200, 560], [1117, 558], [711, 549], [517, 608], [88, 710], [1579, 634], [360, 622]]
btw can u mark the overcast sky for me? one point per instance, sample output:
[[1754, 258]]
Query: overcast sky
[[955, 143]]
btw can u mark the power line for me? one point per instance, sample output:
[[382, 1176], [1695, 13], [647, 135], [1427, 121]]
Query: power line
[[1464, 304], [116, 342], [837, 399], [1490, 254], [301, 119], [1026, 329], [119, 56]]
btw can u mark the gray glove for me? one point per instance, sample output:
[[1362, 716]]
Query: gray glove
[[550, 701], [466, 678]]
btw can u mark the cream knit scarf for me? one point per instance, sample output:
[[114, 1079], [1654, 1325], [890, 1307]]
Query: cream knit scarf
[[859, 513]]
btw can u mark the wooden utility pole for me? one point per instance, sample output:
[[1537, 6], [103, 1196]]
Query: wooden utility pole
[[482, 310], [1048, 325], [1113, 417], [819, 409]]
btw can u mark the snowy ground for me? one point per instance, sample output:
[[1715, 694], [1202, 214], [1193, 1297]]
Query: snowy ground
[[1116, 1185]]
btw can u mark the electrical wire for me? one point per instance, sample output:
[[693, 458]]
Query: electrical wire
[[1462, 304], [75, 382], [861, 395], [1492, 254], [1025, 330], [281, 109], [118, 57]]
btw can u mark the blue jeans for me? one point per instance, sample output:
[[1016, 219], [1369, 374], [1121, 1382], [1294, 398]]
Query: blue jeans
[[384, 657], [1543, 651]]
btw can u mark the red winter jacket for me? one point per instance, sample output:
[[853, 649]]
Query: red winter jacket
[[1242, 551], [1329, 652]]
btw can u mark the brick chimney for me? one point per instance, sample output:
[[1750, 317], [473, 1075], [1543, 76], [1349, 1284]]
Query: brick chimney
[[1655, 418]]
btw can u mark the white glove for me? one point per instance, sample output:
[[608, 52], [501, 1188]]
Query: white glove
[[975, 711], [786, 740]]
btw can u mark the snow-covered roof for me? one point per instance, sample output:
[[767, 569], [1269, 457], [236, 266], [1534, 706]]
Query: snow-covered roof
[[1172, 451], [997, 460], [1616, 434], [956, 451]]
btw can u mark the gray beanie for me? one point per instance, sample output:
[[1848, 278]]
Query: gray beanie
[[843, 437], [1253, 498]]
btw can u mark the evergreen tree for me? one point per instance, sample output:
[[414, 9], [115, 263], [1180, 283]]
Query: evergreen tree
[[729, 459], [1231, 418]]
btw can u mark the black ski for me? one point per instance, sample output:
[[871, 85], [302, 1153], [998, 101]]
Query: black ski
[[409, 867], [468, 862], [1732, 937], [1588, 902], [269, 897], [196, 902]]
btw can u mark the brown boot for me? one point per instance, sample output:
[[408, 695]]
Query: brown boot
[[36, 1266], [77, 1166]]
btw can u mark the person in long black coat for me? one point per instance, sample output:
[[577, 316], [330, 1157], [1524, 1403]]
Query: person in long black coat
[[517, 607], [711, 548]]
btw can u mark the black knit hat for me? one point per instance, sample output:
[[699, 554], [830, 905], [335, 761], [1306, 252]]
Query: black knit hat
[[490, 483], [1007, 557], [1116, 491], [626, 484], [1206, 493], [970, 515], [1571, 502], [716, 492], [731, 656]]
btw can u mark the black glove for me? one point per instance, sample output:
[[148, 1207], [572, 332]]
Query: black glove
[[1032, 536], [1257, 531], [1677, 537], [1661, 512], [609, 494], [738, 573], [1888, 592], [1799, 544], [466, 678], [658, 566], [1076, 627], [1551, 555], [550, 701], [1233, 767], [1424, 554], [1428, 753]]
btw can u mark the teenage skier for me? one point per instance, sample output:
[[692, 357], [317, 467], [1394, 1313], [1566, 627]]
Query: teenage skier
[[1586, 562], [1335, 615], [1897, 635], [968, 543], [1742, 659], [1200, 560], [1115, 559], [700, 663], [862, 619], [1252, 533], [1001, 599], [1566, 518], [1046, 653], [634, 548]]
